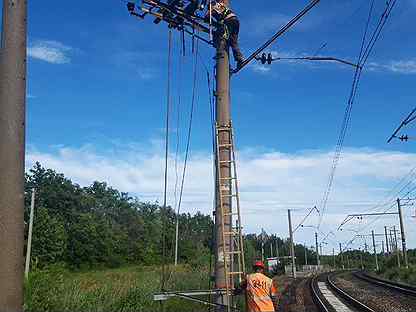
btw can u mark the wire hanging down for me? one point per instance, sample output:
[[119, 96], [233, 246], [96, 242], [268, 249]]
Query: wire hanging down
[[409, 119], [365, 52]]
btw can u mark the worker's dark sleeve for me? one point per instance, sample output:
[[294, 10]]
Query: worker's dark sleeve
[[242, 287]]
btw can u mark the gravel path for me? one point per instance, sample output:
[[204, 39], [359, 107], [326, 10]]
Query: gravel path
[[378, 298], [296, 297]]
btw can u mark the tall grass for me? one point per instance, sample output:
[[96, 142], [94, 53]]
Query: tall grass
[[403, 275], [122, 290]]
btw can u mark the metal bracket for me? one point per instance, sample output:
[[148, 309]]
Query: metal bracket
[[167, 295], [190, 295]]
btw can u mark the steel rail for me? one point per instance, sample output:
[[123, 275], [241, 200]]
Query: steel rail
[[348, 298], [316, 297], [402, 288]]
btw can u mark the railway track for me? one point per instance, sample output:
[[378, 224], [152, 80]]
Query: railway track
[[328, 297], [398, 287]]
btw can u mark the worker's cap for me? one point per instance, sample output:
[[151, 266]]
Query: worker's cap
[[258, 264]]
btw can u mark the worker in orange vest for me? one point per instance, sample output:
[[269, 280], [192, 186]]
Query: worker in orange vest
[[261, 291]]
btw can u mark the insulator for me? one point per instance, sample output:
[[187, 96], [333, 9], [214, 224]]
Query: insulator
[[263, 58], [269, 58], [404, 138]]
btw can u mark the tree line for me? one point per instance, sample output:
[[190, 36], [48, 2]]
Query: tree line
[[99, 225]]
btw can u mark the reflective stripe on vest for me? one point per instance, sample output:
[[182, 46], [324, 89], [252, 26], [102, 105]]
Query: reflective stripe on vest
[[260, 290]]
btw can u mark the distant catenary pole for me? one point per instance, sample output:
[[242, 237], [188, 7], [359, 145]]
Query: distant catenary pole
[[292, 244], [375, 251], [29, 235], [403, 234]]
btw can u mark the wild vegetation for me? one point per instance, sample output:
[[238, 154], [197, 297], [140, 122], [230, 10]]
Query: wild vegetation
[[124, 289], [99, 226], [98, 249]]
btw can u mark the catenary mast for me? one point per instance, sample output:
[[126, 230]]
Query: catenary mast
[[12, 153]]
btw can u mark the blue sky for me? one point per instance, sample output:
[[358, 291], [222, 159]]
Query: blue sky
[[97, 93]]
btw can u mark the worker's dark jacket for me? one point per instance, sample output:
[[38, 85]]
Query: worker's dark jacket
[[224, 14]]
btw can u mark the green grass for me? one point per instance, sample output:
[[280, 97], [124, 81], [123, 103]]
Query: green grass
[[122, 290], [402, 275]]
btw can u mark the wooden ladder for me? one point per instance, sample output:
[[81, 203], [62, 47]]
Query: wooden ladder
[[229, 202]]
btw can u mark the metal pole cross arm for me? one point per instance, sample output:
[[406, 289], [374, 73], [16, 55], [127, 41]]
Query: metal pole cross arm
[[283, 30]]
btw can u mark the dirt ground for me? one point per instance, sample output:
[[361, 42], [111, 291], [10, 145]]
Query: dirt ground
[[295, 295]]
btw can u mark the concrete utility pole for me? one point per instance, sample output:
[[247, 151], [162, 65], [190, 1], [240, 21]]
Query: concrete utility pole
[[387, 240], [223, 119], [382, 248], [392, 248], [29, 238], [342, 258], [271, 249], [176, 240], [403, 235], [292, 244], [361, 260], [12, 153], [375, 251], [396, 247], [306, 255], [277, 249], [318, 261]]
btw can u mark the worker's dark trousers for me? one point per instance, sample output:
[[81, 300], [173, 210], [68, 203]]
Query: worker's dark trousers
[[233, 25]]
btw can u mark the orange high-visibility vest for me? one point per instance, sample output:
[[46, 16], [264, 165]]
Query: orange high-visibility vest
[[260, 290]]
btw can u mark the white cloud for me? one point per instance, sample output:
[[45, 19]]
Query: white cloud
[[270, 182], [50, 51], [399, 66]]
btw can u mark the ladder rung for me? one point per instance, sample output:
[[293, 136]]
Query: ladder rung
[[228, 178], [229, 195], [224, 145], [226, 161], [233, 252], [235, 273], [231, 214], [223, 128], [230, 233]]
